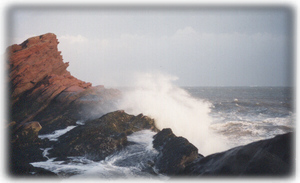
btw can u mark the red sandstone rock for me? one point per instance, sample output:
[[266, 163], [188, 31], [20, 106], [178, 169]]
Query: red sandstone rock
[[38, 59], [45, 97], [38, 75]]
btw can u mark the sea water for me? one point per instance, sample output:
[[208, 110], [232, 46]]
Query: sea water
[[134, 161], [246, 114], [231, 115]]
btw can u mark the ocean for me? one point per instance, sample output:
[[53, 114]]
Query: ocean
[[206, 116], [247, 114]]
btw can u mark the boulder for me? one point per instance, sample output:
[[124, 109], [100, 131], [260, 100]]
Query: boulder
[[100, 137]]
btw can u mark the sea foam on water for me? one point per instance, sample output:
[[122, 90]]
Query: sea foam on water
[[156, 96]]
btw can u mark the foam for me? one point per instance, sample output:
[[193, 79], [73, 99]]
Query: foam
[[57, 133], [126, 163], [172, 107]]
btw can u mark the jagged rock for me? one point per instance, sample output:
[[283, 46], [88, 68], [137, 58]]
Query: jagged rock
[[37, 75], [175, 153], [35, 60], [41, 89], [101, 137], [271, 157], [161, 138]]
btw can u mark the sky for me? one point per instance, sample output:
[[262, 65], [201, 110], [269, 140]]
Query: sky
[[200, 46]]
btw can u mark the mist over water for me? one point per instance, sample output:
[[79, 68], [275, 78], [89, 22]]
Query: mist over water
[[156, 96]]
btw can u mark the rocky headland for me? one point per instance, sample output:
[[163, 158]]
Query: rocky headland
[[45, 97]]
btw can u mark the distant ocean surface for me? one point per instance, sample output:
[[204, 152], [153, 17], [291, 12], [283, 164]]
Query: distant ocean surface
[[247, 114], [240, 115]]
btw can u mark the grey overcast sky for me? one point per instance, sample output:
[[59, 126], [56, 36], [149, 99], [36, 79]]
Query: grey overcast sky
[[201, 46]]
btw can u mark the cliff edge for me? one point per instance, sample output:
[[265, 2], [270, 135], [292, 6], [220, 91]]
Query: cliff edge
[[38, 78], [45, 97]]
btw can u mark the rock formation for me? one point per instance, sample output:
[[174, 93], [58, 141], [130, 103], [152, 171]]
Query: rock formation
[[38, 78], [174, 152], [45, 97], [42, 90], [101, 137], [24, 149], [271, 157]]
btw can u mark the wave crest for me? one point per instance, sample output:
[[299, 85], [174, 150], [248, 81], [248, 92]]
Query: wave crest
[[156, 96]]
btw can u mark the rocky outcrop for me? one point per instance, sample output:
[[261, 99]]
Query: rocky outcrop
[[25, 148], [42, 90], [41, 85], [38, 59], [271, 157], [101, 137], [70, 107], [175, 153], [37, 75]]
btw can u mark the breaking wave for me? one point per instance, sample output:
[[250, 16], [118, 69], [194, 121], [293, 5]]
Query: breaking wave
[[156, 96]]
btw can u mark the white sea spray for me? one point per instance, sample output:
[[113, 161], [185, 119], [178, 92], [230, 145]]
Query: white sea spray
[[172, 107], [57, 133]]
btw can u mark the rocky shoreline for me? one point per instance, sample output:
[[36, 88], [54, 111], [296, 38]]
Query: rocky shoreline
[[45, 97]]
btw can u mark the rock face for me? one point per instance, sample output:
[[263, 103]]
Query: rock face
[[101, 137], [174, 152], [39, 79], [42, 90], [70, 107], [37, 76]]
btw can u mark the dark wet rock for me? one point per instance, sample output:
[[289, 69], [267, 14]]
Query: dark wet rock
[[161, 138], [25, 148], [101, 137], [27, 170], [271, 157], [175, 153]]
